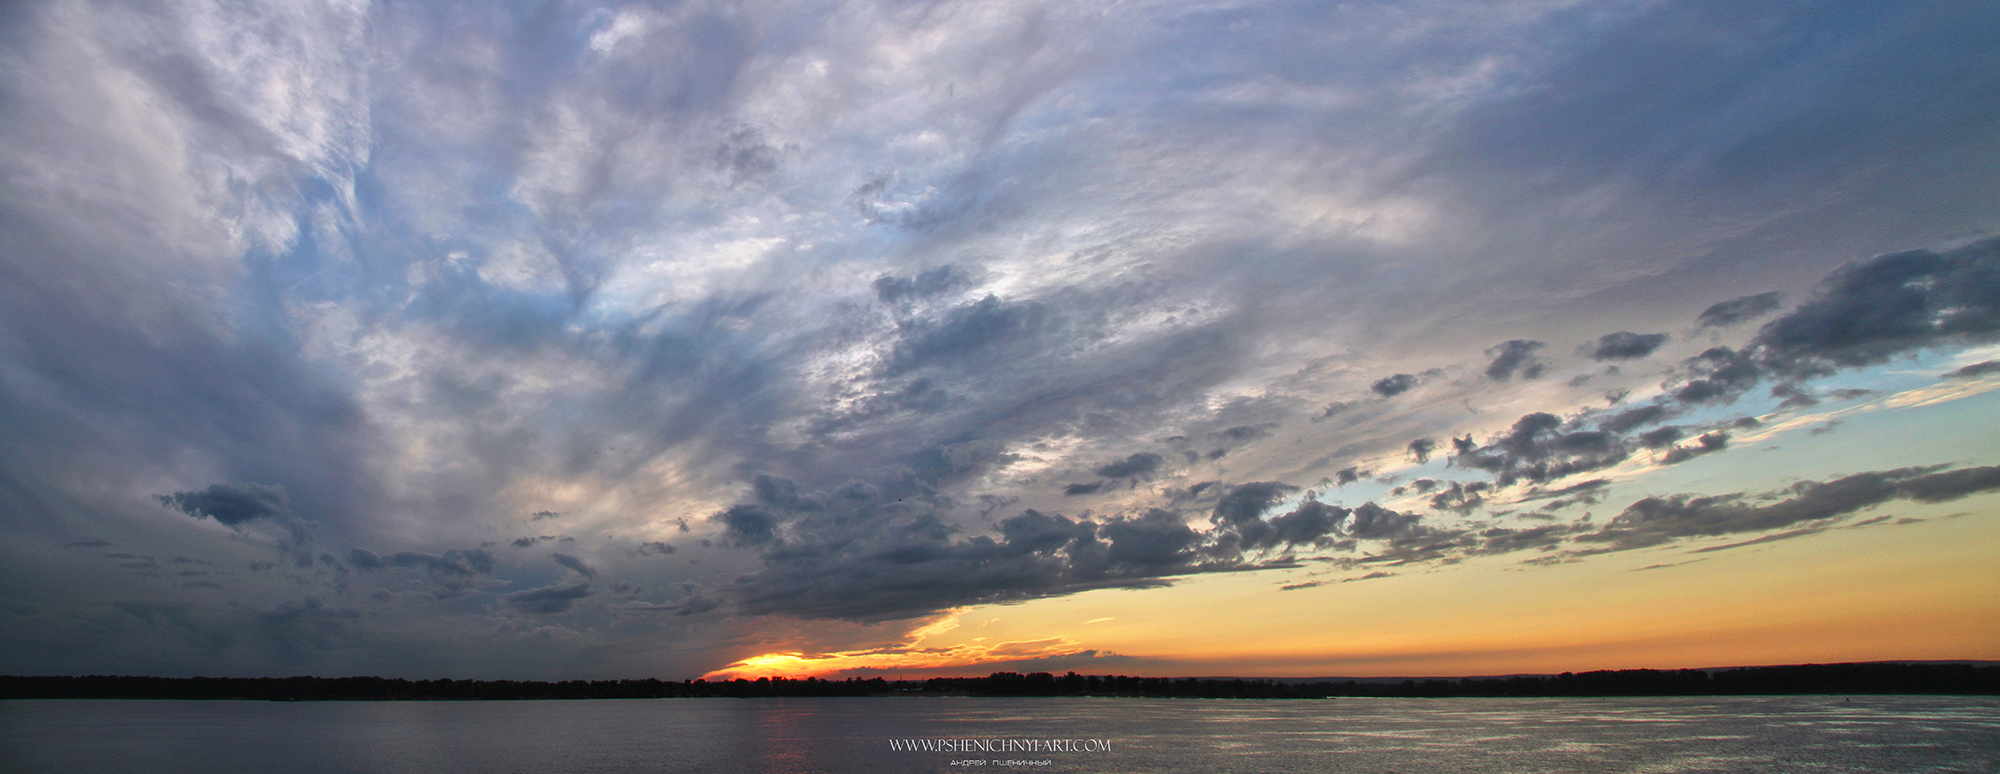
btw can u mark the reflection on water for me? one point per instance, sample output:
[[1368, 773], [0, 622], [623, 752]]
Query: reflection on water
[[1433, 736]]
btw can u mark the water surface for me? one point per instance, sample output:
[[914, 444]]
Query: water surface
[[853, 735]]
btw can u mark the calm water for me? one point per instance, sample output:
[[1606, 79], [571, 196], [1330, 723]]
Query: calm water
[[1376, 736]]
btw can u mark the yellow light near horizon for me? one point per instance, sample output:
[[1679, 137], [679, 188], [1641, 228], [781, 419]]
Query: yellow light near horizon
[[1923, 591], [1920, 591]]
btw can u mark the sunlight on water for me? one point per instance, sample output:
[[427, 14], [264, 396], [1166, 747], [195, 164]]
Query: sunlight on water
[[843, 736]]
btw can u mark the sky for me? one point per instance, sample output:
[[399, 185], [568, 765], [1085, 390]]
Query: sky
[[567, 340]]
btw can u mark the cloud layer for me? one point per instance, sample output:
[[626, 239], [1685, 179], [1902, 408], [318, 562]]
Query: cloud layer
[[345, 336]]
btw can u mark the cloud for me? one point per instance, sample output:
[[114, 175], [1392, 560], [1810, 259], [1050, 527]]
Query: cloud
[[1542, 447], [575, 565], [454, 570], [968, 330], [748, 524], [1863, 314], [1639, 416], [1656, 520], [1138, 465], [1246, 502], [1420, 449], [426, 273], [1708, 443], [1889, 306], [232, 504], [548, 600], [932, 282], [1625, 345], [1392, 386], [1726, 313], [868, 561], [1073, 490], [1515, 356], [1975, 370]]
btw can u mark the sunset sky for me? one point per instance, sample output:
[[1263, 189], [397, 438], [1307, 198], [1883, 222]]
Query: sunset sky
[[554, 340]]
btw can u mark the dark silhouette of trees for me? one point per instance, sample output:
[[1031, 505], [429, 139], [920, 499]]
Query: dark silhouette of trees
[[1871, 678]]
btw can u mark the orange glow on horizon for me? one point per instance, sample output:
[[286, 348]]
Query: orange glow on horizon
[[904, 656]]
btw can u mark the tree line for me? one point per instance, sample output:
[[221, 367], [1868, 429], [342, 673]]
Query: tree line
[[1874, 678]]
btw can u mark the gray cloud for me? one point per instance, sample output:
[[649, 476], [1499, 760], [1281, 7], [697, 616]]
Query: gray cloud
[[1726, 313], [1392, 386], [1516, 356], [1708, 443], [1625, 345], [548, 600], [984, 325], [1138, 465], [1655, 520], [1542, 447], [1975, 370], [1246, 502], [454, 570], [932, 282], [1886, 307], [575, 565], [232, 504]]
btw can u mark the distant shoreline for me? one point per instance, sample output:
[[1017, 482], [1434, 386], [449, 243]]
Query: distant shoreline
[[1874, 678]]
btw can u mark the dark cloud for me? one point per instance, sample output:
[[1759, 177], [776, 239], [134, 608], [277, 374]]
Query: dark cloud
[[547, 600], [232, 504], [1309, 524], [1889, 306], [575, 565], [1138, 465], [1073, 490], [1246, 502], [1461, 497], [1975, 370], [1594, 485], [1737, 310], [1420, 449], [1516, 356], [887, 561], [1708, 443], [1625, 345], [543, 515], [1718, 375], [655, 548], [1157, 538], [1374, 522], [748, 524], [783, 494], [873, 564], [1656, 520], [455, 569], [1392, 386], [1541, 447], [530, 541], [1662, 438], [942, 279], [1864, 314], [967, 330]]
